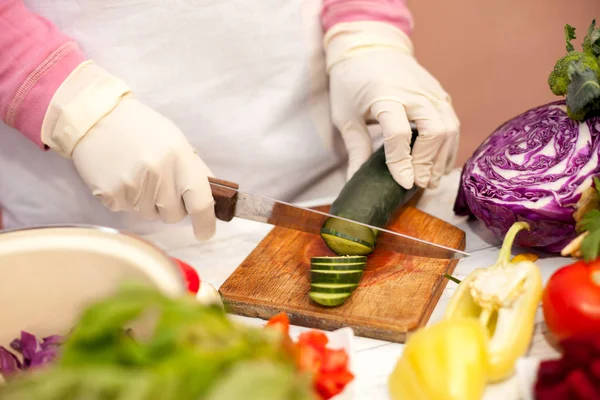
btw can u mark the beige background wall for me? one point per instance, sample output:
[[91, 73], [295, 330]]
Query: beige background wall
[[494, 56]]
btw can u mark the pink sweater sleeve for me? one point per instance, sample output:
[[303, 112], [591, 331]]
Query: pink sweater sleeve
[[394, 12], [35, 58]]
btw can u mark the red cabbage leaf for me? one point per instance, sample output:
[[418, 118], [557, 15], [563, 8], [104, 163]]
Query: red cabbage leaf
[[33, 353]]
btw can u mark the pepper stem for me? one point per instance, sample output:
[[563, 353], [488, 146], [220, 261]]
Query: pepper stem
[[509, 238]]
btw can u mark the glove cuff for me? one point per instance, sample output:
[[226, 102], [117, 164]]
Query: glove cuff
[[348, 39], [86, 96]]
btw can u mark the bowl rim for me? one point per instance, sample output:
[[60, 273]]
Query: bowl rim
[[105, 229]]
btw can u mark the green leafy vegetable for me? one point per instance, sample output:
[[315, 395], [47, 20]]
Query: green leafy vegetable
[[569, 35], [590, 246], [191, 352], [577, 75], [584, 88], [591, 43]]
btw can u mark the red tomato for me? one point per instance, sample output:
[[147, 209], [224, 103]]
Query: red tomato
[[316, 339], [281, 322], [191, 276], [571, 300]]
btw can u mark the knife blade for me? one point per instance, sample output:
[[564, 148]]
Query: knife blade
[[231, 202]]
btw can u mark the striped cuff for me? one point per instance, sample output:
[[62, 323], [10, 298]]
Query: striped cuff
[[26, 110]]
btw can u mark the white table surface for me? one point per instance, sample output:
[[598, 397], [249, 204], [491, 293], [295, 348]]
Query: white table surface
[[374, 360]]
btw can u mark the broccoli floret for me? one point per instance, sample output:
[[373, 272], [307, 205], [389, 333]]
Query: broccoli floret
[[577, 75], [559, 77]]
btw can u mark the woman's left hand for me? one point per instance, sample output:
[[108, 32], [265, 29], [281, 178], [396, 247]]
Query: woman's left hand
[[373, 75]]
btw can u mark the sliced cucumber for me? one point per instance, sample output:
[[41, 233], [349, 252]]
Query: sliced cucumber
[[352, 276], [333, 279], [342, 244], [345, 238], [338, 263], [338, 267], [339, 260], [333, 287], [329, 299]]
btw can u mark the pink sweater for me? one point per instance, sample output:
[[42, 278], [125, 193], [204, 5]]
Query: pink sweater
[[35, 57]]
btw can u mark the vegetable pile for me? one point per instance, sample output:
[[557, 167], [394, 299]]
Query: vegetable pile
[[535, 167], [193, 352]]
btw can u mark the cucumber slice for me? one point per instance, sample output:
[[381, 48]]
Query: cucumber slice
[[343, 244], [351, 276], [337, 267], [333, 287], [329, 299], [339, 260], [338, 263], [345, 238]]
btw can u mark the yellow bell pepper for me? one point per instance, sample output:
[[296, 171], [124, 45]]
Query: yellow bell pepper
[[504, 299], [444, 361]]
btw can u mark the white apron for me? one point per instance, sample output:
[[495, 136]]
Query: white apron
[[244, 80]]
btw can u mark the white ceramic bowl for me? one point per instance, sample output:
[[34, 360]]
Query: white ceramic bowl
[[49, 274]]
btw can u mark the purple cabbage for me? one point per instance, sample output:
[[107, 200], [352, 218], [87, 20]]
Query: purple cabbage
[[34, 353], [532, 168]]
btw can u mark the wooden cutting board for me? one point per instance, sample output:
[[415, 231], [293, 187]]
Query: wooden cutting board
[[397, 293]]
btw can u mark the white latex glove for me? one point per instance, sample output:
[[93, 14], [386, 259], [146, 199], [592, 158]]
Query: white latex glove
[[130, 156], [373, 75]]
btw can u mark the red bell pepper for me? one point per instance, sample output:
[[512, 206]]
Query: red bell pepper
[[329, 367], [571, 300], [281, 322], [190, 275]]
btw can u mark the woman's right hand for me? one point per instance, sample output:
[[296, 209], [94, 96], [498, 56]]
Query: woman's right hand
[[130, 156]]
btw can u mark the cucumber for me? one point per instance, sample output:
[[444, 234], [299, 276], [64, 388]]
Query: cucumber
[[371, 196], [338, 260], [333, 279], [333, 287], [338, 267], [338, 263], [349, 276], [329, 299]]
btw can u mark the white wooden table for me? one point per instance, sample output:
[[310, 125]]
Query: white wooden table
[[216, 259]]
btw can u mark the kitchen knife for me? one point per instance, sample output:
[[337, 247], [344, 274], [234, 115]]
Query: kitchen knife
[[232, 202]]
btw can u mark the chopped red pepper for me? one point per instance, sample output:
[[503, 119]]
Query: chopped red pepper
[[329, 367], [281, 322], [309, 359], [316, 339], [334, 360]]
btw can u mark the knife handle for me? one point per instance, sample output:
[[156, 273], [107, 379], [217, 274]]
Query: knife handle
[[225, 195]]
